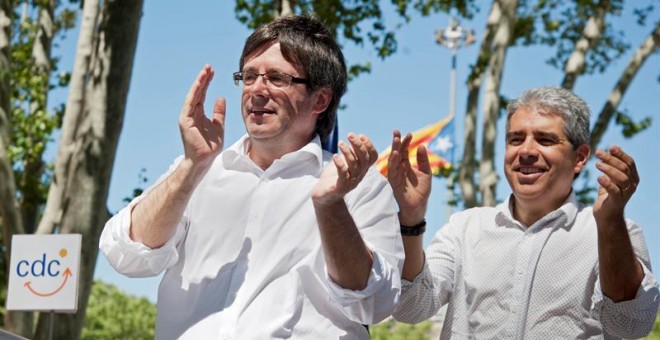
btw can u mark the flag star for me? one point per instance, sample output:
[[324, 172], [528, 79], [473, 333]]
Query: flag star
[[443, 144]]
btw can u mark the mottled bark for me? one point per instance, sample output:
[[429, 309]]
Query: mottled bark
[[72, 118], [475, 79], [591, 33], [94, 147], [503, 37], [646, 48], [34, 167]]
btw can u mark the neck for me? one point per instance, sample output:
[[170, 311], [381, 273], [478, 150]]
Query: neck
[[529, 212], [264, 153]]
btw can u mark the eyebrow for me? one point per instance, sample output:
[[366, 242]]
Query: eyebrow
[[536, 134]]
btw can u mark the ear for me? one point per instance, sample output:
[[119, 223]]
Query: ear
[[582, 156], [322, 98]]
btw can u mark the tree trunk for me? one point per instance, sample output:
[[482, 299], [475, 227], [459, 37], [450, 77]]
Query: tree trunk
[[468, 162], [648, 46], [503, 37], [11, 220], [35, 166], [72, 117], [284, 7], [591, 33], [96, 142]]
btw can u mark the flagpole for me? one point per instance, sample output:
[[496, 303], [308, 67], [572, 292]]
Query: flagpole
[[453, 37]]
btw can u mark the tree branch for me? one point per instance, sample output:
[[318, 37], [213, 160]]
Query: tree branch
[[645, 49]]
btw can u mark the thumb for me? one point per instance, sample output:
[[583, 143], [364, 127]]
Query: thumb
[[219, 110]]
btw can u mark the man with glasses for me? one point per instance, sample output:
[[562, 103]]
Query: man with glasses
[[272, 237]]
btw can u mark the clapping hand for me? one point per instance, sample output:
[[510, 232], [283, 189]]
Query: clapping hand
[[203, 138], [346, 170], [412, 187]]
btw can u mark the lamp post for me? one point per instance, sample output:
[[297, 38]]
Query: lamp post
[[453, 37]]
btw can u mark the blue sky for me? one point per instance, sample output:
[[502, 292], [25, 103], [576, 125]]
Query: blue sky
[[406, 91]]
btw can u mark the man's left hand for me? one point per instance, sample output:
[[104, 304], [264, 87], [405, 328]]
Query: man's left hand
[[346, 171], [617, 184]]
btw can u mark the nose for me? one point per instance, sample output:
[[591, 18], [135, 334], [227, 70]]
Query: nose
[[528, 148], [258, 100], [258, 92]]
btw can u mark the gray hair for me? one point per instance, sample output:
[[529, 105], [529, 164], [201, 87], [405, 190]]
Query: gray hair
[[560, 102]]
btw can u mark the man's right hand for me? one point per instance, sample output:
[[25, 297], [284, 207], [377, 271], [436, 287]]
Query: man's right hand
[[412, 187], [203, 138]]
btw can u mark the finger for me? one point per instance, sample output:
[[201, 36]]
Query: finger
[[219, 112], [423, 163], [615, 169], [349, 157], [393, 167], [207, 81], [194, 93], [342, 167], [617, 152], [608, 185], [360, 151], [396, 144], [405, 147], [371, 149]]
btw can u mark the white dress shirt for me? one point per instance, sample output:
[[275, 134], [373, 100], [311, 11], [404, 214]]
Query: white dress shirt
[[505, 281], [246, 260]]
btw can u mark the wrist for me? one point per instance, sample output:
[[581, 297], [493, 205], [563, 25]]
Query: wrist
[[414, 230], [411, 218]]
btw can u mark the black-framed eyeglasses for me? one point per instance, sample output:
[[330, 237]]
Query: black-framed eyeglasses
[[273, 79]]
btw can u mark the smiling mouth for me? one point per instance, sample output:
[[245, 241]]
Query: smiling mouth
[[530, 170], [261, 112]]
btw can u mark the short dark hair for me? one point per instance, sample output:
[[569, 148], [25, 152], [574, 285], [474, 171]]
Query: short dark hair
[[306, 42]]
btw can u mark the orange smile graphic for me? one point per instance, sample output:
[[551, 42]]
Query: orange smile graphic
[[66, 275]]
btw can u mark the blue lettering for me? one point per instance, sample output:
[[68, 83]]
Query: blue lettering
[[42, 263], [18, 268], [50, 264]]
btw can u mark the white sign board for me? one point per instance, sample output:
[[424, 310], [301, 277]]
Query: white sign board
[[44, 273]]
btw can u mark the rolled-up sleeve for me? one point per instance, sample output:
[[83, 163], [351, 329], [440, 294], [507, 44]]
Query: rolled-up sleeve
[[418, 299], [134, 259], [376, 301], [373, 209], [633, 318], [131, 258], [432, 288]]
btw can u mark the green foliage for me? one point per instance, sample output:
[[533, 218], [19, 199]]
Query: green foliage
[[139, 189], [112, 314], [655, 333], [32, 124], [353, 21], [559, 24], [393, 330], [629, 127]]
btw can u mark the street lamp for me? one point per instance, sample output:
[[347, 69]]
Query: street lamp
[[453, 37]]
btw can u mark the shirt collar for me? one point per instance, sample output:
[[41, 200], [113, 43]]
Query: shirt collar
[[236, 155], [563, 217]]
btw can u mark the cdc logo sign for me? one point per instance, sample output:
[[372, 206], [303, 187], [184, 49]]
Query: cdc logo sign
[[44, 272]]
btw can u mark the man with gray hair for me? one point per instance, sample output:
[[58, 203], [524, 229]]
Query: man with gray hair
[[539, 265]]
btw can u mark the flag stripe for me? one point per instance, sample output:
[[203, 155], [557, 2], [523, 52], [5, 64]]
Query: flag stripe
[[420, 137]]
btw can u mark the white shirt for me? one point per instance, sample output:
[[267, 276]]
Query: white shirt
[[505, 281], [246, 260]]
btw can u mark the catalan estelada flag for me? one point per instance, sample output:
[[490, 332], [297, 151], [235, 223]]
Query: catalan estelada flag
[[439, 141]]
